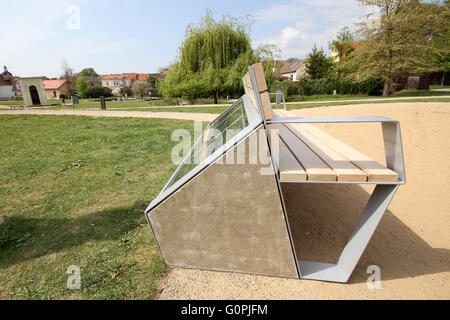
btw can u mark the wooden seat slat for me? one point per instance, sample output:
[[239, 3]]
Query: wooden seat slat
[[316, 169], [290, 168], [375, 171], [345, 170]]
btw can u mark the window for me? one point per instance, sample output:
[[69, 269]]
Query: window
[[221, 131], [220, 136]]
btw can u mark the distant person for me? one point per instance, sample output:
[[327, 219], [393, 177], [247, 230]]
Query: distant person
[[126, 97]]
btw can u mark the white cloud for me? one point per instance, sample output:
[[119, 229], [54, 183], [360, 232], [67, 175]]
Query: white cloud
[[305, 23]]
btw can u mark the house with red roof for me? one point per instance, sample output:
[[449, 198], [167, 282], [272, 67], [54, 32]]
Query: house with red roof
[[293, 70], [114, 81], [54, 88]]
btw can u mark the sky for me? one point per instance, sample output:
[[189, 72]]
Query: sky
[[116, 36]]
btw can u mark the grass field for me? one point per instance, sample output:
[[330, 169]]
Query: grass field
[[218, 110], [72, 192], [328, 104]]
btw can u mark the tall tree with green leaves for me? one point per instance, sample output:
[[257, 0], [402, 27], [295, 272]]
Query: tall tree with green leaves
[[213, 55], [318, 65], [397, 39], [440, 53], [81, 86], [88, 72]]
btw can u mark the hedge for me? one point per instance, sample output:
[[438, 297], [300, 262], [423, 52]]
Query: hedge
[[309, 87]]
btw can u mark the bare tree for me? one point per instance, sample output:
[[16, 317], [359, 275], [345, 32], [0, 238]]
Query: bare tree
[[69, 76], [140, 88]]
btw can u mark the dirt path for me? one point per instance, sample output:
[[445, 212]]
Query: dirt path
[[123, 114], [411, 245]]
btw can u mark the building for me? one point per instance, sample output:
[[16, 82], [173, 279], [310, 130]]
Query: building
[[54, 88], [346, 49], [33, 91], [293, 70], [93, 81], [114, 81], [8, 89]]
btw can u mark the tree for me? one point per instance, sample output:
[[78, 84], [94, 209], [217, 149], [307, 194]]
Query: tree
[[98, 91], [211, 56], [81, 86], [69, 76], [140, 88], [154, 85], [317, 64], [343, 43], [126, 91], [397, 39], [440, 54], [88, 72], [267, 54]]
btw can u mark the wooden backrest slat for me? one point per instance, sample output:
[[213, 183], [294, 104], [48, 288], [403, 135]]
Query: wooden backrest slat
[[251, 92]]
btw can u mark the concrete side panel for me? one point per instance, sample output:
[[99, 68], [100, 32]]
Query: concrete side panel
[[228, 218]]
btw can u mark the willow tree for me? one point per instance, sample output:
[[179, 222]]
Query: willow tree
[[396, 40], [212, 55]]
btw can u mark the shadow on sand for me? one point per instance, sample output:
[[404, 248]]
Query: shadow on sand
[[323, 216]]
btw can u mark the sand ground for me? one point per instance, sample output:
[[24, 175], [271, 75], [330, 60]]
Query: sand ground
[[411, 244]]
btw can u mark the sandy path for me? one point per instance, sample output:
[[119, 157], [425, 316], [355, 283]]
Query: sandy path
[[122, 114], [411, 245]]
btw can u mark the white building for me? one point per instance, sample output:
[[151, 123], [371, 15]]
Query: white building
[[294, 70], [7, 85]]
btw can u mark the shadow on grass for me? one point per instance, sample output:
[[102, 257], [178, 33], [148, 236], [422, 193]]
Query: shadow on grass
[[323, 216], [23, 238]]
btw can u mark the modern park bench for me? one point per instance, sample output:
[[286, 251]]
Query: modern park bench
[[224, 207]]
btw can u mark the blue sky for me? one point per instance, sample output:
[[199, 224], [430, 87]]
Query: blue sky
[[141, 36]]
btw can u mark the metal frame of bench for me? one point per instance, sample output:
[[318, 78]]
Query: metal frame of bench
[[259, 240], [376, 207]]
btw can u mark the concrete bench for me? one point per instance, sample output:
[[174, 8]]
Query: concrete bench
[[232, 217]]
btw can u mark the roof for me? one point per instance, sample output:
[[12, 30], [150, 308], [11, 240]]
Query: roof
[[143, 76], [131, 76], [292, 66], [3, 82], [53, 84], [112, 77]]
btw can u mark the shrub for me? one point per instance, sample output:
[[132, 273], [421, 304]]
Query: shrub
[[309, 87], [97, 92], [373, 86]]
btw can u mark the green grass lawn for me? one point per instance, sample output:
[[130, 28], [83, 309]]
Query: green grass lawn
[[134, 104], [72, 192], [438, 86], [219, 110]]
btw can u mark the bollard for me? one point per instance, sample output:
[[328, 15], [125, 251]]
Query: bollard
[[279, 95], [102, 103]]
